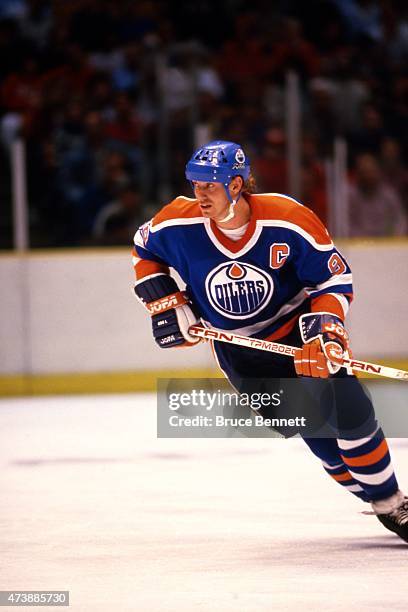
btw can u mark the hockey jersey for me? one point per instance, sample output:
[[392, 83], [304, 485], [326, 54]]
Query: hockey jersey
[[283, 266]]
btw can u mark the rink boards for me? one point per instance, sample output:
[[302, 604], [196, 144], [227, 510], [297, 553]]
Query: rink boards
[[70, 321]]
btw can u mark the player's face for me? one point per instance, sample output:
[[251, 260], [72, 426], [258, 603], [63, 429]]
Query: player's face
[[212, 199]]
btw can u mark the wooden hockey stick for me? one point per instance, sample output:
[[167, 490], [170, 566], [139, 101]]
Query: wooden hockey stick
[[209, 333]]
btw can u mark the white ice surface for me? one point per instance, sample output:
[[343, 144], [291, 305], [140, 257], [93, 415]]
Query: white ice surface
[[92, 502]]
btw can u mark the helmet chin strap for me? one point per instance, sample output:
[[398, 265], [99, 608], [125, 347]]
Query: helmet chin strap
[[230, 213]]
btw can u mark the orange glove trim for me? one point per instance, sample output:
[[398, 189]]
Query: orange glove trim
[[167, 303]]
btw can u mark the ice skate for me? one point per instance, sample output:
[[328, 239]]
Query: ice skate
[[395, 520]]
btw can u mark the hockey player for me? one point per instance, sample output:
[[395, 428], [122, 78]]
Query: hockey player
[[263, 265]]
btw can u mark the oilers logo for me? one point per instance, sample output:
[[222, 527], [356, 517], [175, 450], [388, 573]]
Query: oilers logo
[[240, 156], [239, 160], [238, 290]]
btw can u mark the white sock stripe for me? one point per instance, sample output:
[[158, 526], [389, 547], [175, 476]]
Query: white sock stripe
[[349, 444], [354, 488], [333, 467], [374, 479]]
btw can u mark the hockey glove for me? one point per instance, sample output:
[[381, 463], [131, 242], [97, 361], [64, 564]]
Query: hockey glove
[[171, 310], [325, 345]]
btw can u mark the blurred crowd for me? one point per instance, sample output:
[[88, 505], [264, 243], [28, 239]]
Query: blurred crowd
[[111, 97]]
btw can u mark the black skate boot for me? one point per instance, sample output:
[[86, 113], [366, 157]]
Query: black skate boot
[[397, 519]]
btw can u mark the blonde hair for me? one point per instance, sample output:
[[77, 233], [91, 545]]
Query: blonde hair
[[249, 184]]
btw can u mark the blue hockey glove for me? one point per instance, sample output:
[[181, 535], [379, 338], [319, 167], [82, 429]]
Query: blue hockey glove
[[171, 310]]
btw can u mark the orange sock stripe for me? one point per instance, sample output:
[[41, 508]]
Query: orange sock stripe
[[342, 477], [368, 458]]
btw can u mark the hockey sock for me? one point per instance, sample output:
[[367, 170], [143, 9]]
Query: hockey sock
[[327, 450], [340, 474], [368, 462]]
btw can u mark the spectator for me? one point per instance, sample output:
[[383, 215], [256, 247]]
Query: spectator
[[70, 135], [245, 54], [21, 91], [55, 215], [271, 168], [375, 207], [313, 193], [126, 75], [177, 83], [397, 116], [313, 179], [15, 9], [79, 147], [72, 75], [21, 97], [396, 31], [395, 172], [116, 222], [351, 91], [36, 23], [125, 124], [208, 79], [124, 130], [115, 174], [369, 136], [362, 18], [294, 52], [99, 92], [80, 82], [321, 119]]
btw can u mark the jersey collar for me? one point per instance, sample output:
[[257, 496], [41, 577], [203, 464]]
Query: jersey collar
[[235, 248]]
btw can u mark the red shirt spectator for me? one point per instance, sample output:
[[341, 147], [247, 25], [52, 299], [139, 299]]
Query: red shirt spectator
[[21, 91], [294, 52], [125, 127], [271, 168]]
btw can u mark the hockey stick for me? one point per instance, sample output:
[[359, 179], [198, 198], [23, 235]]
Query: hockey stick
[[209, 333]]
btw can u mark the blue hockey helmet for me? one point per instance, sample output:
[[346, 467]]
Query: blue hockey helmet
[[218, 162]]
